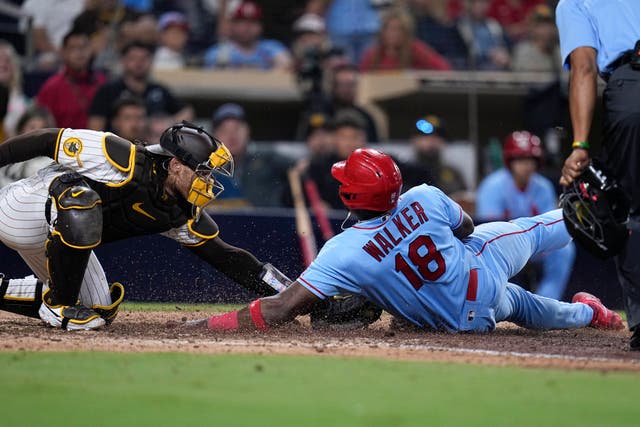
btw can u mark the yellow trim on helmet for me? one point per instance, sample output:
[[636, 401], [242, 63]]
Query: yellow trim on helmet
[[55, 154], [110, 160], [57, 233]]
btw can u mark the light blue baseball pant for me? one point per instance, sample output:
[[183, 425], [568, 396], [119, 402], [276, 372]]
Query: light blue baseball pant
[[556, 270], [502, 249]]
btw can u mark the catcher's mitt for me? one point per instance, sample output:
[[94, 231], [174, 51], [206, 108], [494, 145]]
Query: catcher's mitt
[[344, 312]]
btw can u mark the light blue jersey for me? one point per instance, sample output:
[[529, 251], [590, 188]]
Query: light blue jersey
[[409, 255], [228, 55], [352, 17], [611, 27], [499, 199], [410, 263]]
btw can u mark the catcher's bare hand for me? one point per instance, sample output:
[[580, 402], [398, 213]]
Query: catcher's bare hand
[[574, 165]]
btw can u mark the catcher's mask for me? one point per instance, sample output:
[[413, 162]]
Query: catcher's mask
[[595, 212], [204, 154]]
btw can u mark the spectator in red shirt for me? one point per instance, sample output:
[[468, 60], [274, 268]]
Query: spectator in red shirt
[[68, 94], [512, 15], [396, 47]]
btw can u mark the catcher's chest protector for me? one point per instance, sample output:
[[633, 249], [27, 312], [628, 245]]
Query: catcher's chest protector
[[139, 207]]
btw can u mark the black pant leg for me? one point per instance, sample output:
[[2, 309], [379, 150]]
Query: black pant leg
[[621, 154]]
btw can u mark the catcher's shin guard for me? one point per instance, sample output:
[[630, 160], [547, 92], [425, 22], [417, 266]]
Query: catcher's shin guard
[[109, 312], [76, 231], [21, 296]]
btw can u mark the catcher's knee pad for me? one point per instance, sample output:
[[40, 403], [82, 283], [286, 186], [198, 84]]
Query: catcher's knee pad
[[76, 230], [79, 221], [109, 312], [21, 296]]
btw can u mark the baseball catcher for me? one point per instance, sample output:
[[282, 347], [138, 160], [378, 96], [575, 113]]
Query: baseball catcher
[[102, 188]]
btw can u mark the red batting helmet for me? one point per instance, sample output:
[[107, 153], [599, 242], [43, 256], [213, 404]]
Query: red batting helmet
[[521, 144], [370, 180]]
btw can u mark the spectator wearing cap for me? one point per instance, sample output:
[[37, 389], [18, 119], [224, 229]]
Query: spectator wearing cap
[[173, 33], [310, 40], [540, 50], [245, 48], [396, 48], [69, 93], [135, 81], [260, 176], [518, 190], [429, 139]]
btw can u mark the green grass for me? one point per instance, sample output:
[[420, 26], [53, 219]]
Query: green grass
[[161, 389]]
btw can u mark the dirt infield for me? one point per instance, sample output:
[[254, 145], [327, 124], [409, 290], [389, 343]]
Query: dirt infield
[[508, 345]]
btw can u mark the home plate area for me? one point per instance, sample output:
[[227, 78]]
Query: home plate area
[[155, 331]]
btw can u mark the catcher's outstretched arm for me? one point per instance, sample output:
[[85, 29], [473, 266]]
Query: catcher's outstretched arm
[[265, 313], [241, 266], [23, 147]]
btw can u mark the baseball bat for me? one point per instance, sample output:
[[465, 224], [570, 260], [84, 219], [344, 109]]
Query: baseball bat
[[319, 209], [304, 230]]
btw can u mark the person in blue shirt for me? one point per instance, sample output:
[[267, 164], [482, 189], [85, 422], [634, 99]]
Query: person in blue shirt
[[419, 257], [245, 48], [600, 37], [517, 190], [351, 24]]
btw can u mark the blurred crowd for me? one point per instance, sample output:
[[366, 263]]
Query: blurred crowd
[[94, 65]]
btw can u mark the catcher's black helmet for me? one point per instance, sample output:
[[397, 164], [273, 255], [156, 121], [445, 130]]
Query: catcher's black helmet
[[191, 144], [201, 152], [595, 212]]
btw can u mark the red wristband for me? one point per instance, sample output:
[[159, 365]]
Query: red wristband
[[225, 322], [256, 316]]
